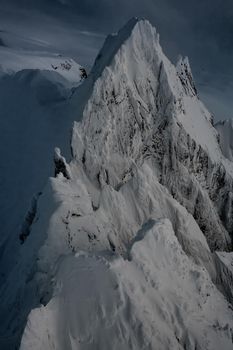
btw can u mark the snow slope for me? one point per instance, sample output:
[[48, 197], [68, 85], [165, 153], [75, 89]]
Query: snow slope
[[121, 251], [18, 53], [34, 87], [156, 299], [225, 130], [14, 60], [31, 125], [33, 120]]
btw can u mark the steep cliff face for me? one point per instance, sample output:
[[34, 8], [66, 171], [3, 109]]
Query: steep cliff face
[[120, 253]]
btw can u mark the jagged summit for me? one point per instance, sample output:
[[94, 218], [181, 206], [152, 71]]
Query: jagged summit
[[142, 107], [115, 41], [134, 74], [134, 58]]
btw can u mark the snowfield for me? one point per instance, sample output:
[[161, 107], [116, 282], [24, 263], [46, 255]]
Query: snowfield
[[129, 245], [33, 121], [14, 59], [156, 298]]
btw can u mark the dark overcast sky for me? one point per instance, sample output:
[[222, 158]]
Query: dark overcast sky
[[200, 29]]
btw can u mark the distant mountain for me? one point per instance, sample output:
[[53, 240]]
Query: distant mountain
[[129, 245]]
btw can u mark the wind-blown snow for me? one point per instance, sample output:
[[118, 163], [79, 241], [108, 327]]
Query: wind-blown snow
[[156, 299]]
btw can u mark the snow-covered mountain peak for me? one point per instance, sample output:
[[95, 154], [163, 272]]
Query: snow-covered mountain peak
[[135, 28], [138, 214], [139, 109], [136, 89]]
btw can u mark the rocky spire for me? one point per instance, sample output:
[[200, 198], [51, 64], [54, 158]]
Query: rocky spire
[[185, 74]]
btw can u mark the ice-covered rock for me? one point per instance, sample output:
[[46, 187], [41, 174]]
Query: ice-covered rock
[[139, 109], [186, 77]]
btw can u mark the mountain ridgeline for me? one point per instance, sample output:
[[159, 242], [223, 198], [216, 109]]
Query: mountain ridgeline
[[130, 246]]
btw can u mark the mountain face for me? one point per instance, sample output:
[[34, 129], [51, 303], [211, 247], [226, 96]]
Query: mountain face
[[225, 130], [130, 244], [142, 84]]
